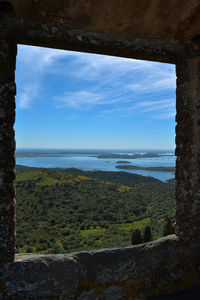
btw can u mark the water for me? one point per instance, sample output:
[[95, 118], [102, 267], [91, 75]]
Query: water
[[87, 160]]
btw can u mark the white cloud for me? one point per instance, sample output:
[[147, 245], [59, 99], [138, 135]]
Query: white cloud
[[80, 99], [149, 106], [91, 66], [118, 83], [27, 96], [37, 58], [84, 99], [95, 66], [166, 83], [24, 101], [166, 109], [154, 83], [167, 115], [32, 64]]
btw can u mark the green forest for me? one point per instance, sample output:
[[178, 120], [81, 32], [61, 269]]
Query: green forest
[[67, 210]]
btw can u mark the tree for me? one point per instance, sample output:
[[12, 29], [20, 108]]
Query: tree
[[136, 237], [147, 234], [168, 226]]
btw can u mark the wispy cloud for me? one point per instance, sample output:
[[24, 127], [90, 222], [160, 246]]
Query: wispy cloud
[[38, 59], [85, 99], [117, 86], [27, 95], [166, 115], [80, 100], [166, 109], [33, 63], [156, 82], [149, 106], [24, 101]]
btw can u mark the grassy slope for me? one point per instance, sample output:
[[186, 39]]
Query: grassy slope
[[67, 210]]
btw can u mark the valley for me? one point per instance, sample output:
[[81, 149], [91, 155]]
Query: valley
[[67, 210]]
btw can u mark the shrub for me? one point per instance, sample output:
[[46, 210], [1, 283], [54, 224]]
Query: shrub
[[147, 234], [136, 237]]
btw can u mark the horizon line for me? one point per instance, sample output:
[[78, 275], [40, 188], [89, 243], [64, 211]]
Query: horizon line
[[36, 148]]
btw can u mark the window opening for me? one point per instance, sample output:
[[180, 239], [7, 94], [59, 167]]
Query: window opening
[[95, 146]]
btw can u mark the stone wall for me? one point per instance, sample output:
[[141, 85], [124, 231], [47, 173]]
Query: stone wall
[[171, 20], [7, 148], [167, 266], [188, 149], [161, 267]]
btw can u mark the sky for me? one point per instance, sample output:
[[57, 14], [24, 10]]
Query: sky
[[77, 100]]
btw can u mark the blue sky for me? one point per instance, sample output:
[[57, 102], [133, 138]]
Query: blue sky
[[70, 99]]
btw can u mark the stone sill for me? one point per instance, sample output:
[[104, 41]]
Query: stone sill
[[151, 269]]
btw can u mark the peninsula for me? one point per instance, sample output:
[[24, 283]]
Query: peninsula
[[156, 169]]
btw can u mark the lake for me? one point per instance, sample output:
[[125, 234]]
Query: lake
[[87, 160]]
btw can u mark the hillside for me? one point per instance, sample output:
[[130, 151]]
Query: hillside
[[119, 177], [60, 211]]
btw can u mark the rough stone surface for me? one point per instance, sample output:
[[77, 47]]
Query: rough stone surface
[[28, 32], [148, 270], [7, 148], [151, 19], [188, 149], [165, 31], [186, 295], [43, 276]]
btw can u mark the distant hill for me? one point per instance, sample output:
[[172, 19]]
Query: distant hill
[[121, 177], [64, 210], [116, 177]]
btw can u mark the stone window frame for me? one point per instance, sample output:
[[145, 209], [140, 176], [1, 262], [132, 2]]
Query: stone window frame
[[88, 266]]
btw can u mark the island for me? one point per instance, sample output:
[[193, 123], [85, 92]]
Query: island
[[156, 169], [128, 156], [123, 162]]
